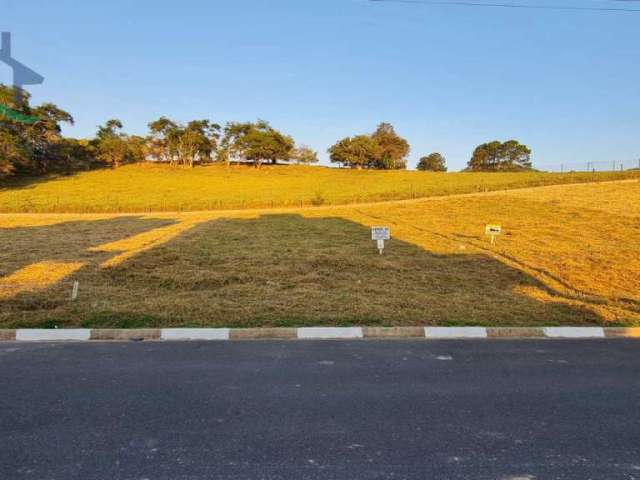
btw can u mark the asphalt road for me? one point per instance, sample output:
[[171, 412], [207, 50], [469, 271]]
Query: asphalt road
[[321, 410]]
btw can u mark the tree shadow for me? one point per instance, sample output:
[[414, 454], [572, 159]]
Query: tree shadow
[[25, 182], [289, 270], [68, 241], [36, 261]]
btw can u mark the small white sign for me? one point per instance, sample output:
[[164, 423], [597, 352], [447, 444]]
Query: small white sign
[[380, 233]]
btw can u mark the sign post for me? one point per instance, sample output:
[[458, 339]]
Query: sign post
[[493, 231], [380, 234]]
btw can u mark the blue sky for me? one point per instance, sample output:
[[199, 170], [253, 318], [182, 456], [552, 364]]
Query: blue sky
[[565, 83]]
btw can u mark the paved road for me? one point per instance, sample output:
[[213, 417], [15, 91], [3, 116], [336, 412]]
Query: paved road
[[321, 410]]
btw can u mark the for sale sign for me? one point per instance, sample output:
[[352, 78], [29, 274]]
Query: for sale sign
[[380, 233]]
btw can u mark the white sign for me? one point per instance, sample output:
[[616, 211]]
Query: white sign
[[380, 233]]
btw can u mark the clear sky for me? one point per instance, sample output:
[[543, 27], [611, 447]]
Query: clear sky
[[566, 83]]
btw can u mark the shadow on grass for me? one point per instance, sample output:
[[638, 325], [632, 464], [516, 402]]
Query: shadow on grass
[[277, 270], [48, 255], [24, 182]]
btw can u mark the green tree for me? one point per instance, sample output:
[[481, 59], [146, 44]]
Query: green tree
[[433, 162], [164, 140], [257, 142], [137, 149], [31, 136], [45, 138], [510, 156], [112, 128], [12, 153], [115, 148], [231, 145], [384, 149], [358, 152], [76, 154], [393, 148], [198, 141], [113, 151]]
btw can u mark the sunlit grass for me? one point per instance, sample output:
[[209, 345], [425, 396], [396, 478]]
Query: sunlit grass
[[569, 255], [34, 277], [153, 187]]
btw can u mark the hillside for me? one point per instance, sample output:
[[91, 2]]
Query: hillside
[[569, 255], [154, 187]]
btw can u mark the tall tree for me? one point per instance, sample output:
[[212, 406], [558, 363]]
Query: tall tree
[[31, 136], [45, 136], [163, 141], [434, 162], [113, 151], [496, 156], [116, 148], [393, 148], [111, 128], [197, 141]]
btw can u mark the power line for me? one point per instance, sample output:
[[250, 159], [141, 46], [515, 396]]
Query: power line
[[510, 5]]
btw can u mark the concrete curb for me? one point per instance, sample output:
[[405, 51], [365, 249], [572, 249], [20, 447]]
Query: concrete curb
[[37, 334], [326, 333], [315, 333], [194, 334], [455, 332]]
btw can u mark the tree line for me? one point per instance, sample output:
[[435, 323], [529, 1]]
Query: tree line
[[31, 143]]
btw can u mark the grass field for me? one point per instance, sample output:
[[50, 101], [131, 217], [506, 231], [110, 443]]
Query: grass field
[[569, 255], [154, 188]]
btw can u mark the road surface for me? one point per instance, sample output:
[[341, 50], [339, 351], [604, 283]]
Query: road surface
[[297, 410]]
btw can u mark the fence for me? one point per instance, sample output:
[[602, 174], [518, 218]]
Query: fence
[[612, 166]]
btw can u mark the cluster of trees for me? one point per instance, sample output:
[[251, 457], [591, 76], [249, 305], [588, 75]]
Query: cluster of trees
[[496, 156], [509, 156], [31, 143], [33, 147], [259, 142], [384, 149]]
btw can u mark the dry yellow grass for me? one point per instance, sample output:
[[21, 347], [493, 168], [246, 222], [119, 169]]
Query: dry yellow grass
[[569, 256], [150, 187]]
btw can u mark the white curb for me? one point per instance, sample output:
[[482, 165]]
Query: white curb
[[330, 332], [194, 334], [41, 334], [455, 332], [574, 332]]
